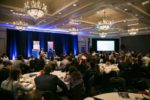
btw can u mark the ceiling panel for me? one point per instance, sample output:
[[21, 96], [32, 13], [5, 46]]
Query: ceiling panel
[[124, 14]]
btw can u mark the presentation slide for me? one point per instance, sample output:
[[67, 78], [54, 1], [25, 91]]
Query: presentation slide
[[105, 45]]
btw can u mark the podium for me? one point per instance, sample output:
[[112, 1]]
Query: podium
[[35, 53]]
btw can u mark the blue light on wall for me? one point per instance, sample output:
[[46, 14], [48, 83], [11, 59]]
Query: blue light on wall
[[42, 40], [29, 45], [14, 50], [75, 45], [64, 50], [21, 42], [64, 47]]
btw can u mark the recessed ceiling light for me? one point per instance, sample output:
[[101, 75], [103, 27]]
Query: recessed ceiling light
[[59, 13], [124, 21], [133, 24], [81, 17], [125, 9], [145, 2], [97, 12], [11, 10], [74, 5]]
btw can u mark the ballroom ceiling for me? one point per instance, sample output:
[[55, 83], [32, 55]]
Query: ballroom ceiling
[[124, 14]]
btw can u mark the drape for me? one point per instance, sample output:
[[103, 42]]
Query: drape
[[21, 42]]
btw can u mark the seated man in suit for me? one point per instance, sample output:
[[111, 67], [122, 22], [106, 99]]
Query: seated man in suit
[[47, 84]]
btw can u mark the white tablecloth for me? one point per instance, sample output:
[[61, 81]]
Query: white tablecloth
[[29, 78], [116, 96], [108, 68]]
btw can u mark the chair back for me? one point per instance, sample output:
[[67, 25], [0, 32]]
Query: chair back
[[6, 95], [117, 83], [48, 95]]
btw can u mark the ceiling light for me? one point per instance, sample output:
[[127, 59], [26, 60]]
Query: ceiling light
[[145, 2], [133, 31], [35, 8], [18, 13], [103, 25], [59, 13], [133, 24], [98, 12], [74, 5], [20, 25], [125, 9], [73, 31], [81, 17], [74, 22], [102, 34]]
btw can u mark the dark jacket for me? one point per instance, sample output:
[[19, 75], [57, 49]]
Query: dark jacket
[[47, 85], [49, 82]]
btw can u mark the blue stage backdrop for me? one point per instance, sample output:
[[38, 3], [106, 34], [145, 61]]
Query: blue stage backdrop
[[21, 42]]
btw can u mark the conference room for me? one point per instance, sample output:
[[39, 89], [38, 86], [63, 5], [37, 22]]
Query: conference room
[[74, 50]]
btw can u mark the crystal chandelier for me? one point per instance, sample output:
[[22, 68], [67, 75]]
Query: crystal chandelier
[[73, 31], [20, 25], [36, 9], [133, 31], [74, 22], [103, 25], [102, 34]]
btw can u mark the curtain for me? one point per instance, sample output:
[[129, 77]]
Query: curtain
[[21, 42]]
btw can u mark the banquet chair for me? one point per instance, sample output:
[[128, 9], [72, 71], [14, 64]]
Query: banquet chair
[[38, 95], [6, 95], [77, 92], [32, 95], [141, 85], [117, 84], [48, 95]]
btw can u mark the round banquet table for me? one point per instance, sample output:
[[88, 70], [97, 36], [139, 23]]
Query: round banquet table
[[119, 96], [108, 68], [29, 78]]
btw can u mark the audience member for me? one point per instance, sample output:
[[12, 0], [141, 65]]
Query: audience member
[[13, 84], [4, 72], [47, 84], [77, 88]]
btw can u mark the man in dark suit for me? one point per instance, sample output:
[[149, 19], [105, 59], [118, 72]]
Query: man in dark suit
[[47, 84], [51, 53]]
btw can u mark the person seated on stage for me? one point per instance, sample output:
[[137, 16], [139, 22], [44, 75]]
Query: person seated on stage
[[47, 84]]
